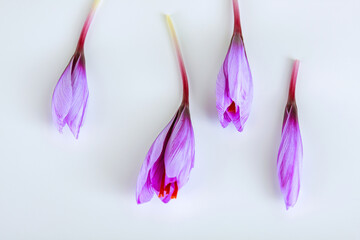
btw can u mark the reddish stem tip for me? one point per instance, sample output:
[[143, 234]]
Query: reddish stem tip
[[237, 25], [293, 80], [181, 62], [86, 26]]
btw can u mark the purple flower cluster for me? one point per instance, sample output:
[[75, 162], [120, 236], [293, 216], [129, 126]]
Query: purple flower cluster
[[170, 159]]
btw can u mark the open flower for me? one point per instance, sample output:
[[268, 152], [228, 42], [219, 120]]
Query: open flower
[[170, 159], [234, 86], [291, 149], [71, 92]]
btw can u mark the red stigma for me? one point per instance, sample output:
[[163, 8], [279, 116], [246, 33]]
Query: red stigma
[[174, 194], [165, 190], [161, 192], [232, 108]]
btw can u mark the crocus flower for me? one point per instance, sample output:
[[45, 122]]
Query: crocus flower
[[234, 86], [291, 149], [170, 159], [71, 92]]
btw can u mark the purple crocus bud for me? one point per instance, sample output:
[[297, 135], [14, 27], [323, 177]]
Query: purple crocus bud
[[71, 92], [234, 86], [291, 149], [167, 165]]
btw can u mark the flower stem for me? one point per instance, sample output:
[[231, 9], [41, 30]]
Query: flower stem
[[86, 26], [181, 62], [237, 25], [293, 81]]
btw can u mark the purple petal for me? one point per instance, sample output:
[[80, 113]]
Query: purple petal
[[222, 99], [144, 191], [62, 97], [290, 157], [157, 173], [234, 86], [70, 96], [180, 150], [80, 94]]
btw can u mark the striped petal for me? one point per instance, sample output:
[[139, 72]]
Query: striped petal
[[234, 86], [62, 97], [80, 94], [289, 159], [146, 181], [290, 153], [180, 150]]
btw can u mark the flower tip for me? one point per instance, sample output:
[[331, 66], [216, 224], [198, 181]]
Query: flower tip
[[172, 29], [96, 4], [169, 22], [288, 206], [296, 63], [240, 129]]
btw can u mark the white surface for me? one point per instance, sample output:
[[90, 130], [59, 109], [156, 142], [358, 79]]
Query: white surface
[[54, 187]]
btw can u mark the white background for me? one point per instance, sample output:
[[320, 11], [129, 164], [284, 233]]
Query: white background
[[55, 187]]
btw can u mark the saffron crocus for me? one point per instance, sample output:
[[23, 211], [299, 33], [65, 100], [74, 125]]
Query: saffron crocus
[[291, 149], [168, 163], [234, 86], [71, 92]]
